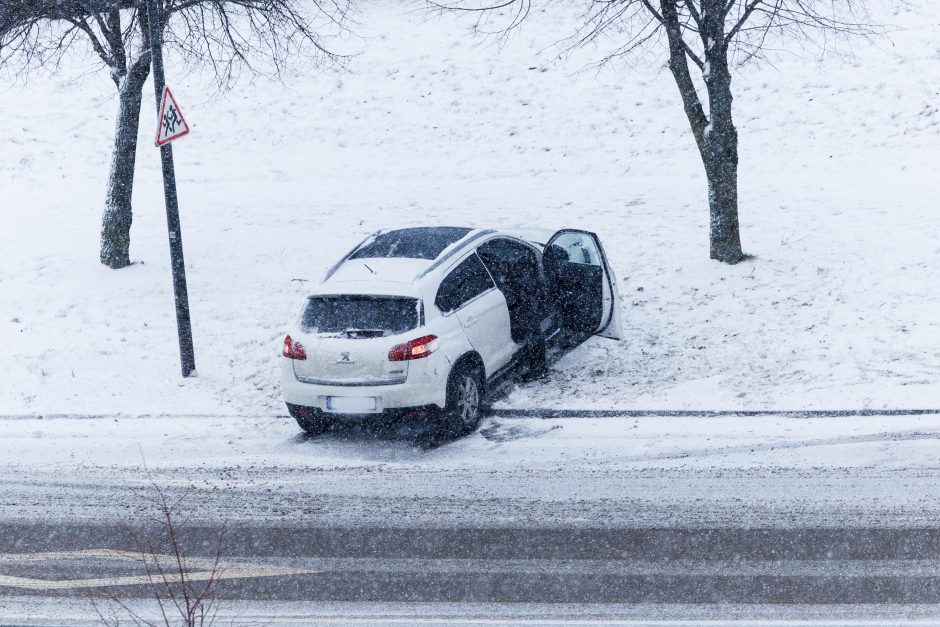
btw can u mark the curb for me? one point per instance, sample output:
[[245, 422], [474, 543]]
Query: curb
[[544, 414], [705, 413]]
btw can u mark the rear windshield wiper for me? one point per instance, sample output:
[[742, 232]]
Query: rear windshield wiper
[[358, 333]]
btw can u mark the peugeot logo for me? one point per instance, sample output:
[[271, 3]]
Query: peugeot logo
[[344, 358]]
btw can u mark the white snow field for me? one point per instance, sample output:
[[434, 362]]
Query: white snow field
[[839, 187]]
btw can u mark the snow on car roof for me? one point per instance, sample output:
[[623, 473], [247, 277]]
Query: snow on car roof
[[389, 276], [419, 249], [535, 235], [378, 270], [423, 242], [387, 261]]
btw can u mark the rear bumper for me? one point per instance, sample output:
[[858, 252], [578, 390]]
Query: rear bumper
[[303, 413], [424, 387]]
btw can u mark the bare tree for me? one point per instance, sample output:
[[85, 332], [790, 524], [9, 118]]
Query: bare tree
[[182, 597], [713, 36], [226, 36]]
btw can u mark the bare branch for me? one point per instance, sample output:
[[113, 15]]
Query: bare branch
[[226, 36], [679, 67], [107, 56], [744, 16], [696, 16], [747, 26]]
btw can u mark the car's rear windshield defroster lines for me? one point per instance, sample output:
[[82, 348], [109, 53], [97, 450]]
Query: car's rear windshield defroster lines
[[360, 316]]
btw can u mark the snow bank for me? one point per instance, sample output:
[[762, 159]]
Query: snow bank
[[839, 181]]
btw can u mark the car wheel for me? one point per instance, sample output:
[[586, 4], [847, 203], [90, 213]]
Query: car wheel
[[464, 401], [309, 419]]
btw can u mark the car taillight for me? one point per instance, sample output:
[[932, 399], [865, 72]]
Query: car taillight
[[415, 349], [293, 350]]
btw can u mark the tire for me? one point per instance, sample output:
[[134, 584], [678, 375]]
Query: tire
[[309, 419], [465, 390]]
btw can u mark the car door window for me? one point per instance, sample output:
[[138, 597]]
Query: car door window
[[464, 283], [514, 266], [583, 285], [578, 248]]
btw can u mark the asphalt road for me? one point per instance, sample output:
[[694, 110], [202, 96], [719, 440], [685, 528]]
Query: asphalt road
[[527, 522], [495, 574], [498, 575]]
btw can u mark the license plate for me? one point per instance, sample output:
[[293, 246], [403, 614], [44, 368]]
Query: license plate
[[351, 404]]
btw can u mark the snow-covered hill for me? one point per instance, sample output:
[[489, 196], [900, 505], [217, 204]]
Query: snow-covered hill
[[839, 193]]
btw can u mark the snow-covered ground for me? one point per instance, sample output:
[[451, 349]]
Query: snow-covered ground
[[839, 185], [118, 444], [648, 472]]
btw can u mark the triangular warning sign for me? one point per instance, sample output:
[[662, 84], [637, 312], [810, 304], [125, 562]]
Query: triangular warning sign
[[171, 124]]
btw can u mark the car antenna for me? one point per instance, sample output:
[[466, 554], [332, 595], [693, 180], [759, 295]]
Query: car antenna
[[368, 268]]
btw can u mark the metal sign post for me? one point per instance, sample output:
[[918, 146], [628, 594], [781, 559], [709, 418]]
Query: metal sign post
[[184, 329]]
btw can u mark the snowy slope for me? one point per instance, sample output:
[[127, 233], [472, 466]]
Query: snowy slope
[[839, 185]]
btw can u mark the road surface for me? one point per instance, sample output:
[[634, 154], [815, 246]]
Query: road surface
[[528, 521]]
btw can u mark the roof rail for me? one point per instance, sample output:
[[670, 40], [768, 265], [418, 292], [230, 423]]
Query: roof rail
[[452, 250], [346, 257]]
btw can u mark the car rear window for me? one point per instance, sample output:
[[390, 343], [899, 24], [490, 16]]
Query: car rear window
[[360, 316]]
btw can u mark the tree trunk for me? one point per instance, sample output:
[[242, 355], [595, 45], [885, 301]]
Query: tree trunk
[[118, 214], [720, 157], [715, 135]]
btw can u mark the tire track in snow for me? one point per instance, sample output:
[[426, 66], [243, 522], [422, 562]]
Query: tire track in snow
[[724, 451]]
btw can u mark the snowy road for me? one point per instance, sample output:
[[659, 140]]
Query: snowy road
[[388, 523], [493, 576], [569, 473]]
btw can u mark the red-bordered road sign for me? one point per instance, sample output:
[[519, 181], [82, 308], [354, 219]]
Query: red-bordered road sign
[[171, 124]]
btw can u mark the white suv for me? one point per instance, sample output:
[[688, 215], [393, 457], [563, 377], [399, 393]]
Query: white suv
[[424, 320]]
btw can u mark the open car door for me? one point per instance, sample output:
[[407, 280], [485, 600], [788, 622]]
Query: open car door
[[583, 285]]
